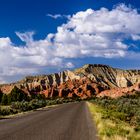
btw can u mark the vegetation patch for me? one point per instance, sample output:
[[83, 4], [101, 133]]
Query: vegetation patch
[[117, 119]]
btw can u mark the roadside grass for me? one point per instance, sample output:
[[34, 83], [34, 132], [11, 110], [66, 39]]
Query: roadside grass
[[112, 128]]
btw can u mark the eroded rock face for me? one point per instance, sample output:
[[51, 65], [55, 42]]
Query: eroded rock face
[[118, 92], [82, 82], [109, 76], [83, 88]]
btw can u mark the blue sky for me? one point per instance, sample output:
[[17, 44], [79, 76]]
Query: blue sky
[[44, 36], [28, 15]]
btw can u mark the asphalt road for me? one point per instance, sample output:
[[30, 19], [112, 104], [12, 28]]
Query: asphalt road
[[64, 122]]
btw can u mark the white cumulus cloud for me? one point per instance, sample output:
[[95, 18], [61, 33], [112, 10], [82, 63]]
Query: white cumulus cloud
[[56, 16], [99, 33], [90, 33]]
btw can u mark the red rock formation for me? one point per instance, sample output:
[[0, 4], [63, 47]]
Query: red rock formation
[[118, 92], [82, 88]]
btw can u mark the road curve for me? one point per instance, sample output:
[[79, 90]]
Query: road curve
[[64, 122]]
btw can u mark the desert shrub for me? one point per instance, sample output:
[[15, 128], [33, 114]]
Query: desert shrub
[[5, 111], [67, 100], [51, 102], [126, 108], [34, 104], [26, 106], [21, 106]]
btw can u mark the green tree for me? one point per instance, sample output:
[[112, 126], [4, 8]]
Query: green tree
[[17, 95], [4, 100], [40, 97], [1, 94]]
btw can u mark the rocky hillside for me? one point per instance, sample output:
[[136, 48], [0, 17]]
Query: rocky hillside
[[109, 76], [82, 82]]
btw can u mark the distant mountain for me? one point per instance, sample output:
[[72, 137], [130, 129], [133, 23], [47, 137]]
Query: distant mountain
[[82, 82]]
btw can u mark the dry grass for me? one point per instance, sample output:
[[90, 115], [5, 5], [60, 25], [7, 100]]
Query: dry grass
[[111, 129]]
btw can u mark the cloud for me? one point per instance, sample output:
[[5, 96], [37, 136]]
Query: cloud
[[27, 59], [100, 33], [91, 33], [56, 16], [135, 37], [26, 37]]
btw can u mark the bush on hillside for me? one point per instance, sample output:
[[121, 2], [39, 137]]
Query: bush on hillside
[[126, 108], [17, 95], [1, 94], [4, 100]]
